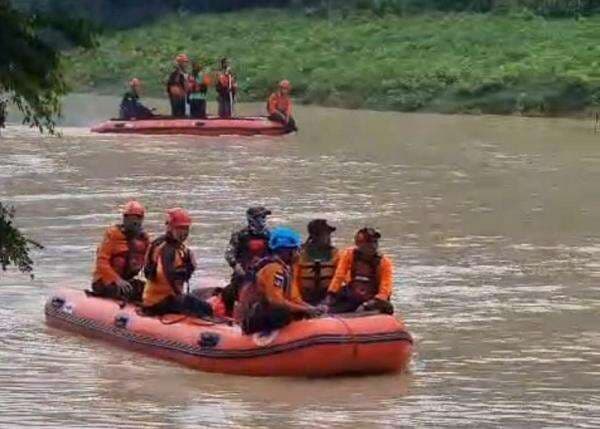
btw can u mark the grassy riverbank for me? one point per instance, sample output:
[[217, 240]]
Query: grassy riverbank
[[435, 62]]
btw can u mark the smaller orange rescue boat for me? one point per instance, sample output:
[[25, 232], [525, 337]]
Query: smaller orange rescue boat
[[344, 344], [213, 126]]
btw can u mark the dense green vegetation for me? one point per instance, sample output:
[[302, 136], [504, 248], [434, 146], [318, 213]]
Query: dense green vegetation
[[123, 14], [436, 62], [30, 74]]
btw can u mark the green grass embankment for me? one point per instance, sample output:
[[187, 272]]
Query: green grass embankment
[[445, 63]]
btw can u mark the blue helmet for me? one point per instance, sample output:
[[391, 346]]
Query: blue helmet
[[283, 237]]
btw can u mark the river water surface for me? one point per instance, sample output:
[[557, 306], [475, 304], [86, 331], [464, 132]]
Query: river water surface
[[492, 224]]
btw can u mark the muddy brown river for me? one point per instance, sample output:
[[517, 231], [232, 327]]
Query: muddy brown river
[[492, 224]]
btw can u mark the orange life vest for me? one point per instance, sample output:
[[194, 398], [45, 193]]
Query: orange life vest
[[166, 277], [313, 276], [364, 278], [279, 103], [120, 256]]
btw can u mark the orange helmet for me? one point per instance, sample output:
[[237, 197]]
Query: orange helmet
[[182, 58], [366, 235], [134, 208], [135, 82], [285, 84], [178, 217]]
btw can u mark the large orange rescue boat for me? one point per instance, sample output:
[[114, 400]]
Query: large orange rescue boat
[[344, 344], [246, 126]]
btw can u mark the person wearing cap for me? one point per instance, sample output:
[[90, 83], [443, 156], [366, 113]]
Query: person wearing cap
[[169, 266], [246, 247], [271, 301], [120, 257], [363, 278], [317, 262], [131, 107], [279, 106], [177, 86], [226, 87]]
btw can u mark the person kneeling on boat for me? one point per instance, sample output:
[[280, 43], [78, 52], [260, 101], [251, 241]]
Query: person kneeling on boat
[[279, 106], [363, 278], [130, 107], [169, 265], [120, 257], [246, 247], [317, 262], [271, 301]]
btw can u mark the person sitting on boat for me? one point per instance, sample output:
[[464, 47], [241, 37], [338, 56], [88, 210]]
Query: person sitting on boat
[[246, 247], [120, 257], [177, 86], [363, 278], [317, 262], [130, 107], [271, 301], [198, 83], [226, 89], [169, 265], [279, 106]]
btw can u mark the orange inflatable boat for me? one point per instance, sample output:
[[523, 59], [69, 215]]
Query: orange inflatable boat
[[246, 126], [369, 344]]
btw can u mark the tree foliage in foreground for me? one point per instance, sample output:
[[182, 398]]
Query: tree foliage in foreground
[[30, 72], [14, 246], [31, 79]]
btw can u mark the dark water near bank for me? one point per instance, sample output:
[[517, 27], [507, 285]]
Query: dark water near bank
[[492, 224]]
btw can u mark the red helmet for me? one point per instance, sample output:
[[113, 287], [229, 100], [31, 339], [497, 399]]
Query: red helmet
[[134, 208], [178, 217], [135, 82], [285, 84], [366, 235], [182, 58]]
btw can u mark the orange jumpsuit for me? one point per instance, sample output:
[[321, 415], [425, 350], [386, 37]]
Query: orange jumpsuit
[[270, 302], [164, 282], [371, 282], [281, 103], [119, 257]]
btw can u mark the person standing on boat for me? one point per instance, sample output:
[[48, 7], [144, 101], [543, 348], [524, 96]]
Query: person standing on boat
[[130, 107], [198, 83], [120, 257], [177, 86], [363, 278], [226, 89], [169, 266], [279, 106], [246, 247], [271, 301], [317, 262]]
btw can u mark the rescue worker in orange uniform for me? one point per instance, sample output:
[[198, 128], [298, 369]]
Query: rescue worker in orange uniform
[[120, 257], [279, 106], [198, 83], [317, 262], [226, 87], [363, 278], [271, 301], [246, 247], [169, 265], [177, 86]]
